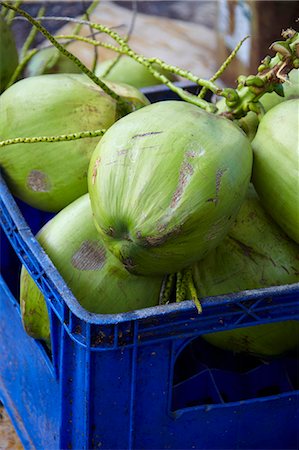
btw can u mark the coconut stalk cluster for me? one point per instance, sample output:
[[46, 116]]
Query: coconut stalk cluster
[[188, 194]]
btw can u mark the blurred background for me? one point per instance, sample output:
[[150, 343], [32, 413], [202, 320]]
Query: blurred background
[[197, 35]]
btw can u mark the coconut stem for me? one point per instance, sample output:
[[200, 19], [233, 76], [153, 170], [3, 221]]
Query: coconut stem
[[124, 49], [11, 14], [180, 287], [59, 138], [31, 36], [19, 69], [224, 66], [271, 74], [166, 289], [86, 15], [69, 55], [131, 28], [147, 62], [191, 289]]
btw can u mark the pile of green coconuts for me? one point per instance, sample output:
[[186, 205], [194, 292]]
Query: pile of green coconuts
[[196, 195]]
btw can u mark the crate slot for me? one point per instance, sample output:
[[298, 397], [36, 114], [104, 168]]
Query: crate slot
[[205, 375]]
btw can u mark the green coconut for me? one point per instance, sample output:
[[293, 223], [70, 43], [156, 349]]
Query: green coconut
[[129, 71], [250, 122], [8, 54], [276, 165], [50, 60], [256, 253], [180, 175], [47, 175], [96, 278]]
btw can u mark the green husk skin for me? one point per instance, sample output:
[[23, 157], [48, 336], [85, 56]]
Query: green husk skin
[[276, 165], [50, 60], [129, 71], [8, 54], [51, 175], [95, 276], [256, 253], [180, 175]]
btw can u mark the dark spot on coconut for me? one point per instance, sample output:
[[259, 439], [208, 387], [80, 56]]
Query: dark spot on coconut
[[296, 272], [272, 261], [38, 181], [128, 263], [110, 232], [212, 200], [122, 152], [146, 147], [90, 256], [218, 178], [161, 227], [186, 171], [284, 268], [150, 133], [95, 170], [156, 241], [247, 251], [91, 109], [252, 215], [191, 154]]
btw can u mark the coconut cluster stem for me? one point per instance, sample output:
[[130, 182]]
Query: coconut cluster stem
[[148, 63], [166, 289], [31, 36], [185, 288], [224, 66], [270, 76], [11, 14], [127, 38], [21, 66], [123, 103], [59, 138]]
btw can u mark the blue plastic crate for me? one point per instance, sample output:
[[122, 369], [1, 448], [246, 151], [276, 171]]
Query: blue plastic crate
[[140, 380]]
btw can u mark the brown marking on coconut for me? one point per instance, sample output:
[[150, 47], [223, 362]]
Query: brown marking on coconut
[[38, 181], [146, 147], [122, 152], [110, 232], [285, 268], [218, 178], [296, 272], [90, 256], [192, 154], [90, 109], [156, 241], [95, 170], [186, 171], [128, 263], [150, 133]]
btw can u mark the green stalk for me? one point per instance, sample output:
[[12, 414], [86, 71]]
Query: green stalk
[[271, 74], [31, 35], [223, 66], [21, 67], [11, 14], [147, 62], [127, 39], [59, 138], [122, 103]]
